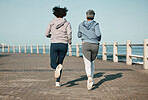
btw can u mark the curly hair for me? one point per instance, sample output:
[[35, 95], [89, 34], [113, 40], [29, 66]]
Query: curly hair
[[59, 12]]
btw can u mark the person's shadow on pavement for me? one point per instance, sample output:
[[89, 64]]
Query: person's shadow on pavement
[[82, 78], [107, 78]]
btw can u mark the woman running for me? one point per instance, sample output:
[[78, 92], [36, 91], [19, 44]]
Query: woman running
[[90, 34], [60, 32]]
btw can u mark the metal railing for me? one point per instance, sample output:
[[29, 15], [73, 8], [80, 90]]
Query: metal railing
[[115, 54], [128, 55], [104, 52]]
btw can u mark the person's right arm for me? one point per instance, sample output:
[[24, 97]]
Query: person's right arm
[[97, 32], [69, 33]]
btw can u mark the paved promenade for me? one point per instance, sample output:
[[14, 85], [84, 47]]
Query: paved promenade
[[29, 77]]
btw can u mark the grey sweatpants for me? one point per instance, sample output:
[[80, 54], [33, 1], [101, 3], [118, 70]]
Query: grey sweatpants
[[90, 52]]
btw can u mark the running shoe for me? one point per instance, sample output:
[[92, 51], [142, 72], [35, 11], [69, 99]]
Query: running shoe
[[57, 71], [58, 84], [89, 83]]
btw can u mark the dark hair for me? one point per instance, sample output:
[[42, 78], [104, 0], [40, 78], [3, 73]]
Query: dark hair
[[59, 12]]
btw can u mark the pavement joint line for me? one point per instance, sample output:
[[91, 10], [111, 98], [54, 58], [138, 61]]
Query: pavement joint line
[[29, 76]]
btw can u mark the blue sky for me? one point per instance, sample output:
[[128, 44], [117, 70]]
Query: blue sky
[[23, 22]]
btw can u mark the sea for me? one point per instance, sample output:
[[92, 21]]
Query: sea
[[136, 50]]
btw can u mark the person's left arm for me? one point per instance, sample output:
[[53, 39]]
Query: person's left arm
[[48, 30], [79, 32]]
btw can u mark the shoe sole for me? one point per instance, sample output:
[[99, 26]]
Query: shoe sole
[[90, 84], [57, 72], [58, 86]]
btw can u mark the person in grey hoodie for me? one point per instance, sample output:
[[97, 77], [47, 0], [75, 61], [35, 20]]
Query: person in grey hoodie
[[90, 34], [60, 32]]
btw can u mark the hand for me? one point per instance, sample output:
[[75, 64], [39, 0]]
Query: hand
[[70, 43], [48, 36]]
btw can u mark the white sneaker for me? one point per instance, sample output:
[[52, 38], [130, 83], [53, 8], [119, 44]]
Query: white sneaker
[[89, 83], [58, 84], [57, 72]]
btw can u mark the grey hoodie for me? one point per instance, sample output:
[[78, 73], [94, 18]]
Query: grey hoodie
[[89, 31], [60, 30]]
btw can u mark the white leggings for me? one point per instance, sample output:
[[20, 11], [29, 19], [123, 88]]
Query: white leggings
[[89, 67]]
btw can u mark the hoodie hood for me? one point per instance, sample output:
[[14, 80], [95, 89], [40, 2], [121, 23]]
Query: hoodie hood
[[59, 22], [88, 24]]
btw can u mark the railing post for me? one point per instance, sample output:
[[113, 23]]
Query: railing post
[[19, 49], [104, 56], [77, 50], [128, 53], [70, 50], [8, 49], [13, 49], [44, 50], [31, 49], [115, 52], [25, 49], [145, 54], [37, 48], [3, 48]]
